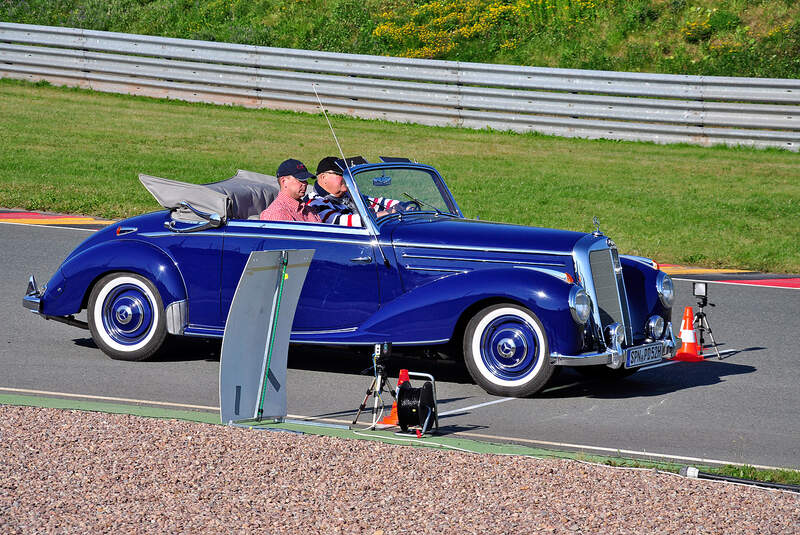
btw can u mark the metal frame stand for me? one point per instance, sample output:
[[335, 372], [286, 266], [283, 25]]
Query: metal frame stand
[[701, 324], [378, 384]]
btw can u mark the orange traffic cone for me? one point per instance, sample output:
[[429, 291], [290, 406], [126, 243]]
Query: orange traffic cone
[[392, 418], [688, 351]]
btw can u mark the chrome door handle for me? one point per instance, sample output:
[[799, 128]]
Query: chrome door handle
[[362, 259]]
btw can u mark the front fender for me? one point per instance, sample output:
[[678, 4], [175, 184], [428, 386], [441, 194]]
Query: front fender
[[68, 289], [431, 312], [643, 301]]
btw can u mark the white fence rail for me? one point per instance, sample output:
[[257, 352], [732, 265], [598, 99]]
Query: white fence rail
[[662, 108]]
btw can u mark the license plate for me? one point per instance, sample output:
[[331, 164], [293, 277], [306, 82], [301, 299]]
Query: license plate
[[639, 356]]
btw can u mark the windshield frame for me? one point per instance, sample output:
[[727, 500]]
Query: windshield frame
[[368, 216]]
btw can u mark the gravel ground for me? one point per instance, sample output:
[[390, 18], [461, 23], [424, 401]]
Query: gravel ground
[[82, 472]]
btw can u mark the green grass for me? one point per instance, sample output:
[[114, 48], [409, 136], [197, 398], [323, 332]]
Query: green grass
[[709, 37], [76, 151]]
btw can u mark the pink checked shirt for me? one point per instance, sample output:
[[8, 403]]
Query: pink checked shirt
[[284, 208]]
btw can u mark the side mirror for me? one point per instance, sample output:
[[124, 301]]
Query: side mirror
[[212, 220]]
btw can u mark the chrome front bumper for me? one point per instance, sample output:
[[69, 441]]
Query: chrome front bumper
[[613, 357]]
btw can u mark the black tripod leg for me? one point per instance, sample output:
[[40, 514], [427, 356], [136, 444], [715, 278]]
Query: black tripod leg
[[363, 406], [711, 334]]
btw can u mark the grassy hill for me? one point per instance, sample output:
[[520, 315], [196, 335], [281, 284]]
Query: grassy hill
[[723, 37]]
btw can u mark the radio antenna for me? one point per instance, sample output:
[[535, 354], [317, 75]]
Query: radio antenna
[[341, 153], [346, 165]]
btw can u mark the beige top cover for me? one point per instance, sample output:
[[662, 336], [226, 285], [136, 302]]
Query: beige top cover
[[243, 196]]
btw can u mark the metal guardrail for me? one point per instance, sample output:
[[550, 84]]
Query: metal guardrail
[[661, 108]]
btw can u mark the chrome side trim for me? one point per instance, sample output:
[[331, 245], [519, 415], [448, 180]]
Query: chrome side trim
[[552, 272], [348, 343], [270, 236], [485, 260], [312, 227], [421, 342], [121, 231], [331, 331], [177, 315], [484, 249], [413, 268]]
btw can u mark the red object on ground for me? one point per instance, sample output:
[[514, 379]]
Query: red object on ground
[[392, 418], [32, 215], [688, 351], [777, 283]]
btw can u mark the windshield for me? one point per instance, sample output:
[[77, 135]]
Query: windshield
[[405, 185]]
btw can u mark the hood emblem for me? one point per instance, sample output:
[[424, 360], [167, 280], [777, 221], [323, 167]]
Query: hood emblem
[[596, 223]]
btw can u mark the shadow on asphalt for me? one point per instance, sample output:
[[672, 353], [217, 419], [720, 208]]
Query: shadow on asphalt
[[653, 382], [566, 382]]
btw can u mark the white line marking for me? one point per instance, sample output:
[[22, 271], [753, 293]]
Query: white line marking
[[740, 284], [466, 434], [49, 226], [667, 363], [562, 387], [502, 400], [107, 398], [618, 451], [465, 409]]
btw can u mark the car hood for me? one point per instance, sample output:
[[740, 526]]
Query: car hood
[[446, 233]]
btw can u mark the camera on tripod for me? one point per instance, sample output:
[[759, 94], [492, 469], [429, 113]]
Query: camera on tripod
[[700, 291]]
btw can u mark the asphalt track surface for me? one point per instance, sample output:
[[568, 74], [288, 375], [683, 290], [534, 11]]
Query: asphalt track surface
[[741, 409]]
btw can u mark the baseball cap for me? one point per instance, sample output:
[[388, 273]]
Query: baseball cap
[[296, 168], [328, 165]]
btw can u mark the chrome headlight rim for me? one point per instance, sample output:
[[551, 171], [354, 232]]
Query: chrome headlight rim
[[655, 327], [580, 305], [666, 289]]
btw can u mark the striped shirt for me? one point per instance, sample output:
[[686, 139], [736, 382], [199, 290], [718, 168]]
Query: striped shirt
[[284, 208], [341, 210]]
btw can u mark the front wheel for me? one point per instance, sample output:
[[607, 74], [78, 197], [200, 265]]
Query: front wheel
[[506, 351], [126, 317]]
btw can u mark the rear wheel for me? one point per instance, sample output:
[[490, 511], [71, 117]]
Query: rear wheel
[[126, 317], [506, 351]]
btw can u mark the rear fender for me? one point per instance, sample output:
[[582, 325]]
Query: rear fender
[[430, 313], [68, 290]]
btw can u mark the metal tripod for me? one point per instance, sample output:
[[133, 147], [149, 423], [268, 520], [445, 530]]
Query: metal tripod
[[378, 384], [701, 324]]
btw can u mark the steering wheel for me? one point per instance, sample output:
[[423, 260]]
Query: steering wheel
[[408, 206]]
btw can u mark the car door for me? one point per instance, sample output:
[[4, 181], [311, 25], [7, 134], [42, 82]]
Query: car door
[[197, 255], [341, 288]]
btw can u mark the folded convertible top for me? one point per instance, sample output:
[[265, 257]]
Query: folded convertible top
[[243, 196]]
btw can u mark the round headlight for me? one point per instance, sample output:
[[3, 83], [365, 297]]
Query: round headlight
[[579, 304], [666, 290], [655, 327]]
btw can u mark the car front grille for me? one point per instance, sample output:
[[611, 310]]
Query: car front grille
[[608, 290]]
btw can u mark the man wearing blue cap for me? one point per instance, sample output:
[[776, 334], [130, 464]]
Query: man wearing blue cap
[[332, 201], [288, 205]]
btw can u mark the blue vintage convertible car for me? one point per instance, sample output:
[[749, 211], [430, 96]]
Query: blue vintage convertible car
[[515, 301]]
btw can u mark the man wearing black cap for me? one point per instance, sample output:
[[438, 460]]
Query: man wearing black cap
[[288, 205], [332, 201]]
